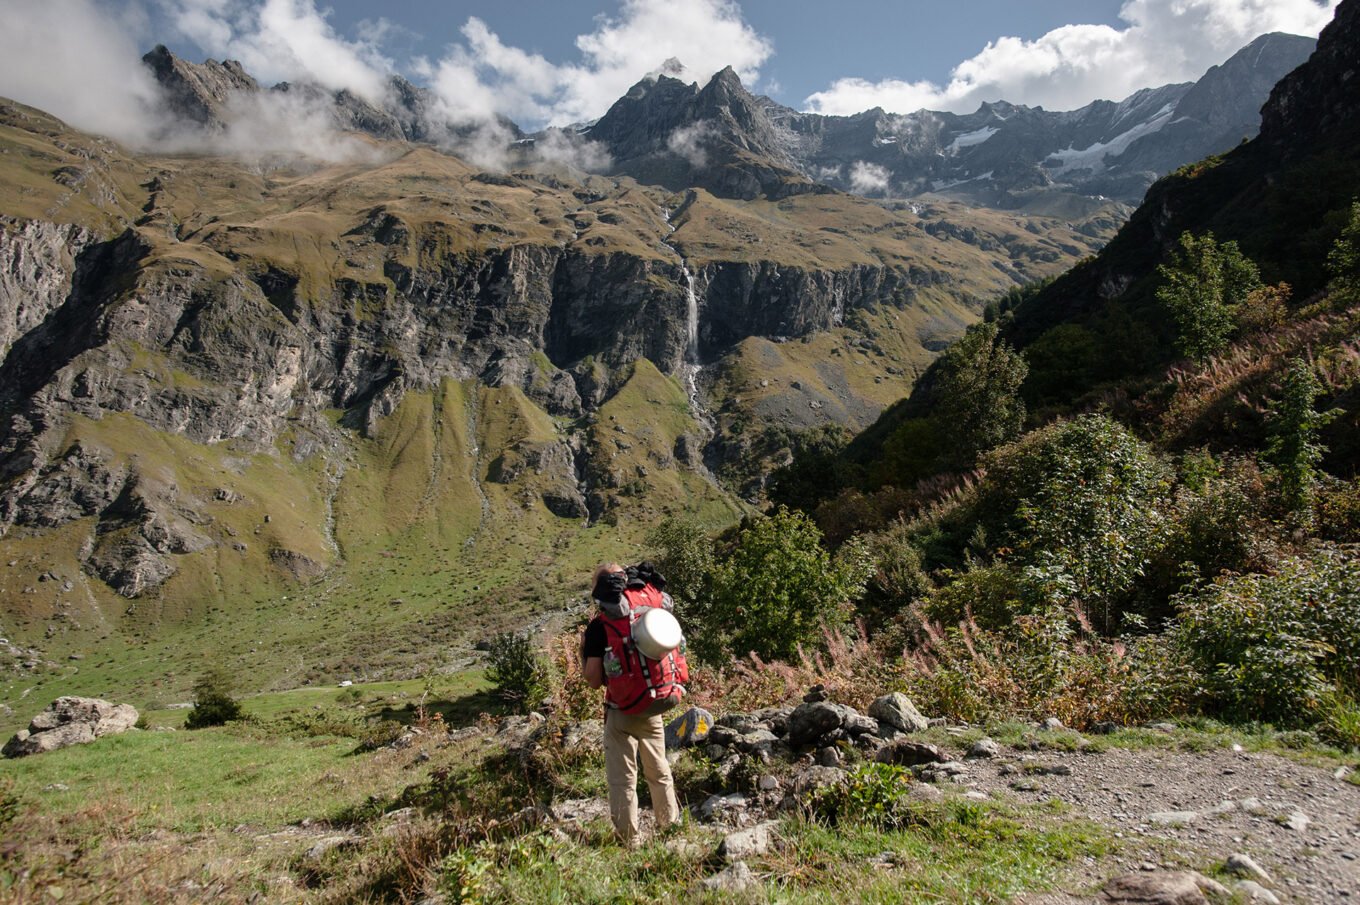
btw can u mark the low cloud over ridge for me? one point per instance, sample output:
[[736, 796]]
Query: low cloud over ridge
[[1165, 41]]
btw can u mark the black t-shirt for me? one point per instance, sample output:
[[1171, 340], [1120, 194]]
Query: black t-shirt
[[595, 643]]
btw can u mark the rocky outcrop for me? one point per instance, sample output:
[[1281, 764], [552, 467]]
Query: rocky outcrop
[[71, 721], [37, 264], [198, 92]]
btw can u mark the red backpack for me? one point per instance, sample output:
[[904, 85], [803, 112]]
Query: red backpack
[[635, 683]]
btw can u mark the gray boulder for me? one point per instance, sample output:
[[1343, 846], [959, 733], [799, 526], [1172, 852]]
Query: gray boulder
[[897, 711], [689, 728], [71, 721], [747, 843], [811, 721], [906, 753], [733, 878], [1163, 888]]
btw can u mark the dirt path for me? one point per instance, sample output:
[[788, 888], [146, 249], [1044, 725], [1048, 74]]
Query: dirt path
[[1180, 810]]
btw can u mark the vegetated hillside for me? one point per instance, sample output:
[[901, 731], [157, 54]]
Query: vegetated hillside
[[1134, 490], [350, 417]]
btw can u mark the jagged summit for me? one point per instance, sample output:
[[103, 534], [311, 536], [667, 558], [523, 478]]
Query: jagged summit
[[204, 94], [198, 91], [725, 138]]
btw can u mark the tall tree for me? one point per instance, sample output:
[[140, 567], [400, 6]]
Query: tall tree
[[978, 395], [1203, 286], [1343, 261], [1293, 451]]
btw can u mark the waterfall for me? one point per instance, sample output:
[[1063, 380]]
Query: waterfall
[[691, 317], [692, 366]]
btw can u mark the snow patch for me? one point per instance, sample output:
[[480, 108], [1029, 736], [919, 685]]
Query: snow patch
[[1093, 158], [968, 139]]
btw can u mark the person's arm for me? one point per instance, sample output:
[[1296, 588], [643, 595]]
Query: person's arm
[[592, 654], [593, 670]]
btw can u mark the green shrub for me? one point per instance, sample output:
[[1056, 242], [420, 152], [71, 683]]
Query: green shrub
[[1338, 511], [1082, 504], [682, 551], [380, 735], [1203, 287], [1277, 647], [778, 588], [519, 673], [899, 578], [873, 793], [990, 596], [214, 704], [1343, 261]]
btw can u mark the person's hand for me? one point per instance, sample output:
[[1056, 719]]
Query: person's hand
[[648, 573]]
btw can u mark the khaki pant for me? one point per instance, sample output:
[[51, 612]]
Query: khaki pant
[[624, 737]]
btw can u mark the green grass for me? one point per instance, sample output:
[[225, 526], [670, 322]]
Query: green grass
[[965, 853], [188, 782]]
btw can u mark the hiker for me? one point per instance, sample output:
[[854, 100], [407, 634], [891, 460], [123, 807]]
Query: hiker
[[637, 690]]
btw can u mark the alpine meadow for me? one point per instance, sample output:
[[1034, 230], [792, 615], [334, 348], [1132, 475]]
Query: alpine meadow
[[1000, 465]]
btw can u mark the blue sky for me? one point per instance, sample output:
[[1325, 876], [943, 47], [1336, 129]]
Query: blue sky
[[555, 62], [814, 43]]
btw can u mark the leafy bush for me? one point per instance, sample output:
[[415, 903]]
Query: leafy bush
[[873, 793], [380, 735], [978, 394], [1343, 261], [899, 578], [1081, 502], [214, 704], [1293, 450], [1338, 511], [990, 596], [1276, 647], [1061, 362], [519, 673], [777, 589], [1216, 524], [683, 552]]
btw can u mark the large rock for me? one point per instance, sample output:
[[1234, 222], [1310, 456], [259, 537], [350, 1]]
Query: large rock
[[905, 753], [747, 843], [71, 721], [897, 711], [733, 878], [689, 728], [809, 722], [1163, 888]]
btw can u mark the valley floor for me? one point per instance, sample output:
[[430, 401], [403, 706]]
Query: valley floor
[[292, 807]]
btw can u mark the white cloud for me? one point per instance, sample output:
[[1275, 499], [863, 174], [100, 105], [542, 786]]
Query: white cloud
[[688, 142], [80, 62], [283, 40], [1163, 41], [705, 35], [867, 178]]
